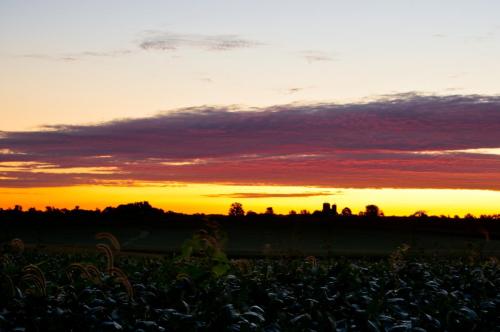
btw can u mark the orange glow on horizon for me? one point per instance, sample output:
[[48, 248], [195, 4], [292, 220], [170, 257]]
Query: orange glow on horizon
[[213, 198]]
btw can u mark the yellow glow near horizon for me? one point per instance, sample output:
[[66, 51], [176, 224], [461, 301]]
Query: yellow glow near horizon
[[213, 198]]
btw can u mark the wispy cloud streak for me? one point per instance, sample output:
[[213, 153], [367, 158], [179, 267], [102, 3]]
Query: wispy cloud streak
[[169, 41], [70, 57], [316, 56], [275, 195]]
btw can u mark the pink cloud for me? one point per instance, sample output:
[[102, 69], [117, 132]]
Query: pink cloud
[[378, 144]]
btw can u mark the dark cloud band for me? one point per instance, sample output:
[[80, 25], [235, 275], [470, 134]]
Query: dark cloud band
[[404, 141]]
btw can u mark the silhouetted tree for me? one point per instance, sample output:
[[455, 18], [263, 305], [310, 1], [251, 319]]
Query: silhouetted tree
[[346, 212], [292, 213], [372, 211], [469, 216], [269, 211], [236, 210], [420, 214], [305, 212], [317, 213]]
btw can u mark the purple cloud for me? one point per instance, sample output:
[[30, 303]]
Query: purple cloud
[[408, 141]]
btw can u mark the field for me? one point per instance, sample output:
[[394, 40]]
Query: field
[[272, 237], [217, 273], [200, 289]]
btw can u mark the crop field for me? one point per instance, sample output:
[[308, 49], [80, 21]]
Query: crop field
[[201, 289], [274, 237]]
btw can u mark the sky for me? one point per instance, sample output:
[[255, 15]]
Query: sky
[[193, 105]]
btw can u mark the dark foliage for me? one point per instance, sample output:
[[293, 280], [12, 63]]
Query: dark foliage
[[171, 294]]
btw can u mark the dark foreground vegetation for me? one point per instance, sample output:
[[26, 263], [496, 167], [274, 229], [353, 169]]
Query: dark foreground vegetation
[[200, 289], [143, 228]]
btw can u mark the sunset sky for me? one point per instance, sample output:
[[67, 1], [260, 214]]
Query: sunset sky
[[192, 105]]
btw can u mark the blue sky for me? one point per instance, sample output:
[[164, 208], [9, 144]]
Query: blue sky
[[81, 61]]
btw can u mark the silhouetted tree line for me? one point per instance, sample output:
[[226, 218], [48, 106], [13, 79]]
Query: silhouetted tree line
[[125, 213], [144, 213], [16, 221]]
